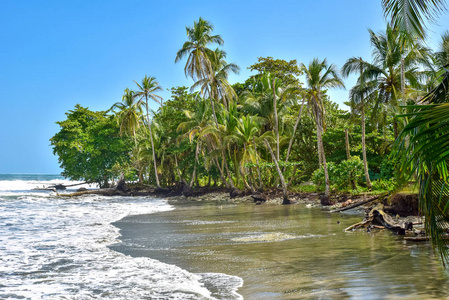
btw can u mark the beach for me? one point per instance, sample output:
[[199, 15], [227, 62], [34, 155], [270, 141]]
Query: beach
[[208, 247]]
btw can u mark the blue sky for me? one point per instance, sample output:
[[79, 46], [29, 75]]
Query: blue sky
[[55, 54]]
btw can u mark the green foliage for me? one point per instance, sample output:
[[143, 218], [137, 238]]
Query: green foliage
[[88, 145], [287, 71], [381, 185], [318, 175], [345, 175], [350, 170]]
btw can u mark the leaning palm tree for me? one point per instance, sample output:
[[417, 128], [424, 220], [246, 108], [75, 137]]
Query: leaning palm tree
[[199, 65], [320, 76], [147, 89]]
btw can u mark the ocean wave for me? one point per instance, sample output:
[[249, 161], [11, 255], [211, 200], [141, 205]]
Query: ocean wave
[[57, 248]]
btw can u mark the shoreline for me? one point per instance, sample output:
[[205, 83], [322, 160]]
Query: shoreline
[[214, 234]]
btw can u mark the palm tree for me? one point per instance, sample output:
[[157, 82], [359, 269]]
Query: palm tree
[[197, 122], [320, 76], [216, 85], [129, 113], [442, 56], [269, 100], [427, 132], [427, 155], [244, 136], [396, 58], [358, 96], [199, 62], [409, 15], [147, 89]]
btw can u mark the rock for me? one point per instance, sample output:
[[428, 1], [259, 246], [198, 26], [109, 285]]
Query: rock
[[259, 197], [235, 192], [325, 200], [403, 205], [60, 187], [82, 189], [121, 185]]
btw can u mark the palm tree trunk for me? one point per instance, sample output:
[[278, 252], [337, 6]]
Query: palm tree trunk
[[152, 144], [195, 163], [212, 104], [348, 154], [281, 177], [365, 161], [294, 132], [257, 165], [242, 170], [276, 124], [231, 183], [223, 179], [179, 171], [323, 157], [236, 168]]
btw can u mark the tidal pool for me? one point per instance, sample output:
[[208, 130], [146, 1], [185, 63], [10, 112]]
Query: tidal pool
[[286, 252]]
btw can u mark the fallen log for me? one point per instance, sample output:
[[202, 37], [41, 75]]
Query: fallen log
[[378, 217], [358, 204], [416, 238], [421, 238], [101, 192]]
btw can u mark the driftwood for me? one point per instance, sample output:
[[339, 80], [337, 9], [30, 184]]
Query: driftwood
[[421, 238], [416, 238], [378, 217], [356, 204], [101, 192]]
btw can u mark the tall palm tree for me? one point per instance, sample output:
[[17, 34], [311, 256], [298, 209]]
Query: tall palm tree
[[269, 100], [320, 76], [216, 85], [199, 62], [358, 96], [147, 89], [396, 57]]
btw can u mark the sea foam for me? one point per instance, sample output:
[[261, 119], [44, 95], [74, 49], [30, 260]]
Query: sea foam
[[53, 248]]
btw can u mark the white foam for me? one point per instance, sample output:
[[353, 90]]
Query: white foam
[[14, 186], [57, 248]]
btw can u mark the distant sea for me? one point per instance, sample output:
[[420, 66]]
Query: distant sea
[[57, 248]]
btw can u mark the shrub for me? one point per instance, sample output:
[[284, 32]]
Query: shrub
[[346, 174]]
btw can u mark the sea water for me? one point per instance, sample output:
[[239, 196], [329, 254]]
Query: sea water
[[54, 247]]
